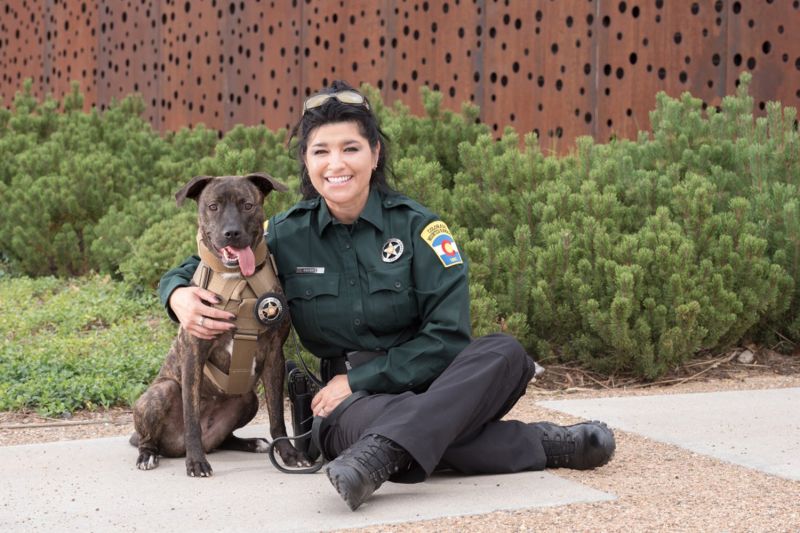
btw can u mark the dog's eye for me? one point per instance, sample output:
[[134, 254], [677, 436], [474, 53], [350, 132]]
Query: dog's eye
[[248, 206], [212, 207]]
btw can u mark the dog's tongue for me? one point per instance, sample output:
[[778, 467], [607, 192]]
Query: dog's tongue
[[247, 261]]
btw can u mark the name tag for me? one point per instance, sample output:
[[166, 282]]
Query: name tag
[[309, 270]]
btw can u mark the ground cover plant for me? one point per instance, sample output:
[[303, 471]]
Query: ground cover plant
[[626, 257], [81, 343]]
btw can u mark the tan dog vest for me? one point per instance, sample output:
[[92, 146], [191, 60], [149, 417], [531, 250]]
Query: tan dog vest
[[240, 295]]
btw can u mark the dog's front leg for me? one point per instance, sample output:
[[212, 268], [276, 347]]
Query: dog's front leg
[[196, 464], [272, 378]]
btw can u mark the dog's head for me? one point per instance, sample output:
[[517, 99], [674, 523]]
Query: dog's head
[[231, 214]]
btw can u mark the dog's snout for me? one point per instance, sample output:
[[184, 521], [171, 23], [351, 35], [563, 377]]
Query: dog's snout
[[232, 234]]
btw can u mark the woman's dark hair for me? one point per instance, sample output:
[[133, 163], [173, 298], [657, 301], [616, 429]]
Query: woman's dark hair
[[331, 111]]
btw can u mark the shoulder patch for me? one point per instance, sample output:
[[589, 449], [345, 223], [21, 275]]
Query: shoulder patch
[[438, 237]]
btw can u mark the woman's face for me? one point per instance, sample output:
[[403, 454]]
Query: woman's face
[[340, 162]]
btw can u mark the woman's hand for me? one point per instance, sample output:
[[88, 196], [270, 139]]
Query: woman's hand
[[196, 317], [331, 395]]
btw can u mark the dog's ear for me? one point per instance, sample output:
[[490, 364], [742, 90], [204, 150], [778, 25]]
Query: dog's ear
[[192, 189], [266, 183]]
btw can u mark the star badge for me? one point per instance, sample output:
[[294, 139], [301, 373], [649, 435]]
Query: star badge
[[269, 309], [392, 250]]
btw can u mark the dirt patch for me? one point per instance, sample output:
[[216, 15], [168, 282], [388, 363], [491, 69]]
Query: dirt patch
[[737, 364]]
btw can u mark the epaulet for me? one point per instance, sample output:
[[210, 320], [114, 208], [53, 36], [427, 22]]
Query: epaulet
[[395, 200], [303, 205]]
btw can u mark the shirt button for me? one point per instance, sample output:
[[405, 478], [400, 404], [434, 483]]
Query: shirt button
[[308, 292], [352, 282], [397, 284], [347, 246], [357, 321]]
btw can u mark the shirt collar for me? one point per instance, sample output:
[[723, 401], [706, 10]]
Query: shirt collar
[[372, 213]]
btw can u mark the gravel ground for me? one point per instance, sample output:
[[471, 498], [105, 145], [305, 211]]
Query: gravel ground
[[659, 487]]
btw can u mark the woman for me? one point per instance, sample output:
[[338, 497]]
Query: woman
[[377, 289]]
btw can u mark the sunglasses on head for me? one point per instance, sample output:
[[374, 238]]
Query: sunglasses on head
[[345, 97]]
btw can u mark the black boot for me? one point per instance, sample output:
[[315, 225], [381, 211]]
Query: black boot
[[364, 466], [581, 446]]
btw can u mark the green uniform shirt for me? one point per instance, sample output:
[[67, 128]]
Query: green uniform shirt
[[393, 280]]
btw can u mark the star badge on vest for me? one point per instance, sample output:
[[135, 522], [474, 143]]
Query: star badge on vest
[[438, 237], [269, 308], [392, 250]]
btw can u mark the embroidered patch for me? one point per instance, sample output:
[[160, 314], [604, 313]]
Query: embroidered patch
[[392, 250], [438, 237]]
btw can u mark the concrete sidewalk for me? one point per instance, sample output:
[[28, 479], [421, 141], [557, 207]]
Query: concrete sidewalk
[[758, 429], [93, 485]]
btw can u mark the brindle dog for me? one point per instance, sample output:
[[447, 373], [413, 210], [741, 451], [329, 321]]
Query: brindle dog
[[183, 413]]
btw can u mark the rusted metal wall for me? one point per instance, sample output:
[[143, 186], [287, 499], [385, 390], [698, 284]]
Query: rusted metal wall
[[560, 68]]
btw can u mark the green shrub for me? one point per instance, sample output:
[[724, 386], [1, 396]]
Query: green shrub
[[635, 255], [433, 137], [62, 172], [630, 256], [160, 247]]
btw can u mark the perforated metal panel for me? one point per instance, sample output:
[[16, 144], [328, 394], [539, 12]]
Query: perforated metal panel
[[560, 68]]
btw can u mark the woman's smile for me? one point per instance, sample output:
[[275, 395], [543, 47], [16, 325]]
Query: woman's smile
[[338, 179]]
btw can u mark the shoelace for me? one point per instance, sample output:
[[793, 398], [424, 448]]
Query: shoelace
[[379, 462], [558, 449]]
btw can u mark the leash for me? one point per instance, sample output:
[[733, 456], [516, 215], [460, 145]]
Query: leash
[[271, 447], [318, 424]]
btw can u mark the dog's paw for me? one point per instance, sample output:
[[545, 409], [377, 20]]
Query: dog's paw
[[198, 468], [261, 445], [303, 462], [291, 457], [147, 460]]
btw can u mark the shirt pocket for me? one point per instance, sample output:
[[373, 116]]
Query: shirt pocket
[[392, 304], [312, 301]]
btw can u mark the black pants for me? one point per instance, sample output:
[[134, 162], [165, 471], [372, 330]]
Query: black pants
[[455, 424]]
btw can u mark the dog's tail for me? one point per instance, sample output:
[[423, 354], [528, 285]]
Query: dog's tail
[[134, 440]]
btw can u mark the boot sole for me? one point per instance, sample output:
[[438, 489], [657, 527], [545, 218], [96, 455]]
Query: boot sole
[[341, 484]]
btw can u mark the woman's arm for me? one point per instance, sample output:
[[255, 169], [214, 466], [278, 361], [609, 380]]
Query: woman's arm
[[180, 276], [187, 304]]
